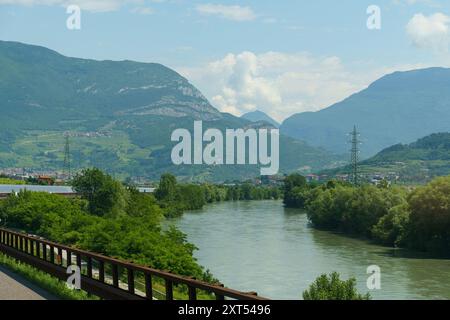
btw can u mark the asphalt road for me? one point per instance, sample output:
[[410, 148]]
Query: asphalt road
[[14, 287]]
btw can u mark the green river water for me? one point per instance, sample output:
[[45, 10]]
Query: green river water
[[261, 246]]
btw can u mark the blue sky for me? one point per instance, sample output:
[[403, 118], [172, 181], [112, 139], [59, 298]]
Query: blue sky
[[281, 57]]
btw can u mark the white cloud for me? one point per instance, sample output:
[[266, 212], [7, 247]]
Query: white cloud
[[279, 84], [282, 84], [88, 5], [230, 12], [430, 31]]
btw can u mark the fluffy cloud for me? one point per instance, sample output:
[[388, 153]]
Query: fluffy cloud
[[430, 31], [231, 12], [277, 83], [88, 5]]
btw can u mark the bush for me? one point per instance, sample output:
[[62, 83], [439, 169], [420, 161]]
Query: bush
[[333, 288], [392, 229]]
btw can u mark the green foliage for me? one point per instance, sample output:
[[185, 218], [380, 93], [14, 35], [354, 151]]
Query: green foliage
[[103, 193], [352, 210], [392, 229], [333, 288], [134, 235], [167, 187], [295, 191], [191, 196], [430, 216], [389, 215], [4, 180]]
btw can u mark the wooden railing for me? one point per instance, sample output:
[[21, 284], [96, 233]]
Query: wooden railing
[[106, 277]]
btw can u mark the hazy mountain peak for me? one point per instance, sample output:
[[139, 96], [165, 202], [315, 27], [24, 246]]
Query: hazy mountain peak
[[397, 108], [257, 116]]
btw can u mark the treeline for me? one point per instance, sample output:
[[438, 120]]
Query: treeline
[[176, 197], [109, 218], [394, 216]]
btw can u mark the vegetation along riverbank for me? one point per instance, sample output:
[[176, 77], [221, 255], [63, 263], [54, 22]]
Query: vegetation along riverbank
[[415, 218]]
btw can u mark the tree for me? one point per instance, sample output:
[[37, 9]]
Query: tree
[[293, 184], [191, 197], [430, 216], [392, 228], [104, 194], [143, 205], [167, 190], [333, 288]]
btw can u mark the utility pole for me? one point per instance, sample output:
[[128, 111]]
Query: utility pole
[[66, 169], [354, 176]]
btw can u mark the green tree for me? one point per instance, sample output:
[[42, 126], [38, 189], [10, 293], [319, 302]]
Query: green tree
[[105, 195], [167, 189], [191, 197], [143, 205], [392, 229], [333, 288], [293, 185], [430, 216]]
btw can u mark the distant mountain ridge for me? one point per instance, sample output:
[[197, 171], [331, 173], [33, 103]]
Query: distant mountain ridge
[[119, 115], [419, 161], [257, 116], [433, 147], [398, 108]]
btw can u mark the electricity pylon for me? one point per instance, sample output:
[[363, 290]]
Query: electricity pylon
[[67, 170], [354, 175]]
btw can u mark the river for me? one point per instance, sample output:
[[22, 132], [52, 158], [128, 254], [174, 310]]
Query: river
[[262, 246]]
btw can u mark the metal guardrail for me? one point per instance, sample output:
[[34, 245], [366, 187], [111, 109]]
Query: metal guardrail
[[49, 257]]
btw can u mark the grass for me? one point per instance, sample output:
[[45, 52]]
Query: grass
[[43, 280]]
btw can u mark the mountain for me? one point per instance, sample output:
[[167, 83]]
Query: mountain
[[119, 116], [258, 116], [419, 161], [398, 108]]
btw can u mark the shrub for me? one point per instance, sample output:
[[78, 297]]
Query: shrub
[[333, 288]]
